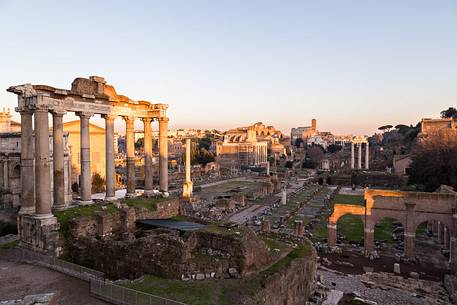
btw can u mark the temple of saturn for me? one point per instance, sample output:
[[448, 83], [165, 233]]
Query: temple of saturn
[[438, 210], [359, 141], [87, 97]]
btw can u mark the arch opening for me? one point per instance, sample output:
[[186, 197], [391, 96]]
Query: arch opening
[[389, 235], [432, 243], [350, 228]]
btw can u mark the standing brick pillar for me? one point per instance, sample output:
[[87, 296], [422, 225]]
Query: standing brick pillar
[[266, 226], [446, 238], [410, 243], [299, 228], [368, 240], [410, 230], [331, 231], [440, 232]]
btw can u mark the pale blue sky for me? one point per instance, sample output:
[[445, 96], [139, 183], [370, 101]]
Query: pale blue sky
[[353, 65]]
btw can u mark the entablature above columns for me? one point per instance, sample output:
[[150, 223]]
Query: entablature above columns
[[91, 94]]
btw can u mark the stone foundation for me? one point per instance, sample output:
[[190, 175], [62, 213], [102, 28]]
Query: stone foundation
[[41, 235]]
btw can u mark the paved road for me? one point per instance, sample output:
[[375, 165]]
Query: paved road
[[246, 214], [18, 280]]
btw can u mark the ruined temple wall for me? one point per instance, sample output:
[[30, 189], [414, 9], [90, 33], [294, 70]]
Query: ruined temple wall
[[291, 286], [165, 209]]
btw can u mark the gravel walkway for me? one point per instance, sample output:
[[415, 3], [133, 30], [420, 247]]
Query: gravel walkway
[[351, 284], [18, 280]]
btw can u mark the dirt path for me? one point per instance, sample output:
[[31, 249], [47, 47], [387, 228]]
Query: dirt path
[[18, 280]]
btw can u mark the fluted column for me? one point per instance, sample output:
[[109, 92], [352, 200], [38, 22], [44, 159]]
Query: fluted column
[[130, 147], [359, 160], [42, 159], [27, 171], [85, 183], [352, 155], [163, 154], [148, 172], [367, 156], [109, 157], [58, 160]]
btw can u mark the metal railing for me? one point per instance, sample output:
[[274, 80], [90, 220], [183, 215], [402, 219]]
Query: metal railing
[[125, 296]]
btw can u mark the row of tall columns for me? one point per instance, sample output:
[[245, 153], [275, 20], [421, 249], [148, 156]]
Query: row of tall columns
[[35, 170], [359, 157]]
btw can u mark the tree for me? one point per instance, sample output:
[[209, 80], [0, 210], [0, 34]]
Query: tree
[[98, 183], [314, 154], [435, 161], [139, 143], [205, 143], [451, 112], [385, 128], [298, 142], [333, 148]]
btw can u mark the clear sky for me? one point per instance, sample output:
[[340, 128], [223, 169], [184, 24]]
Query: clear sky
[[353, 65]]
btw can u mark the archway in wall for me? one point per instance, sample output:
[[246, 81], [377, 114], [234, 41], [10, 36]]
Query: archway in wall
[[432, 243], [350, 229], [389, 235]]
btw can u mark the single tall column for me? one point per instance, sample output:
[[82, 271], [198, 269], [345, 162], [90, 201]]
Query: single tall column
[[42, 159], [187, 186], [163, 154], [58, 160], [367, 156], [359, 160], [27, 172], [352, 156], [148, 172], [109, 150], [130, 147], [85, 183]]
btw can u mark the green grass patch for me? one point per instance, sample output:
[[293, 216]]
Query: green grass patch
[[383, 231], [348, 199], [320, 230], [273, 243], [301, 251], [10, 245], [351, 226]]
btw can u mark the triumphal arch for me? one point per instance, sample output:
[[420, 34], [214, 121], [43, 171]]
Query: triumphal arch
[[87, 97], [410, 209]]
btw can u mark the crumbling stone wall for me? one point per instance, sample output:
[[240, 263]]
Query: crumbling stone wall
[[292, 285], [165, 209], [167, 254]]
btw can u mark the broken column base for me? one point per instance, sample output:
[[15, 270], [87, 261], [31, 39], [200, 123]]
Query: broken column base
[[187, 189], [372, 255], [39, 234]]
